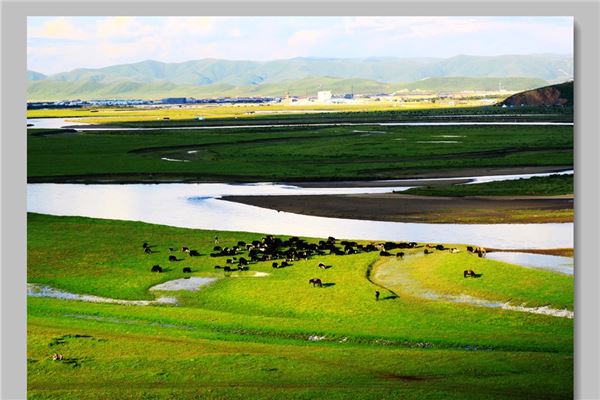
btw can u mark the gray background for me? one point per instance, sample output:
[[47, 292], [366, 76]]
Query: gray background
[[13, 145]]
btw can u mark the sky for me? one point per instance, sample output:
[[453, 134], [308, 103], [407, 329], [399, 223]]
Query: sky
[[58, 44]]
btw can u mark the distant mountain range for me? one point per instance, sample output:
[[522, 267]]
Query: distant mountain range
[[210, 77]]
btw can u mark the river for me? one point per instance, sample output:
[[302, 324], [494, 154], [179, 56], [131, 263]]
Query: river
[[199, 206]]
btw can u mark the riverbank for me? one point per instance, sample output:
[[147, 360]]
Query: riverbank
[[424, 209], [412, 178]]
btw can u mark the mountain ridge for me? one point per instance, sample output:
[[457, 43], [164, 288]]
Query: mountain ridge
[[47, 90], [550, 67]]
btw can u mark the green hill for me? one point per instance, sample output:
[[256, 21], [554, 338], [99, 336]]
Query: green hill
[[59, 90], [560, 94], [381, 69]]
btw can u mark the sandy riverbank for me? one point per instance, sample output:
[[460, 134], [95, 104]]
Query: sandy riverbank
[[409, 208]]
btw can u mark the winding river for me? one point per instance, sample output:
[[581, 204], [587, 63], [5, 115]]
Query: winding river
[[200, 205]]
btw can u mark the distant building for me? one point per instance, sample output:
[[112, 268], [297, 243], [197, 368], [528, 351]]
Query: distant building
[[174, 100], [324, 96]]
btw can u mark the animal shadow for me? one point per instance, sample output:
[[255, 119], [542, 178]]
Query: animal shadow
[[390, 297], [328, 284]]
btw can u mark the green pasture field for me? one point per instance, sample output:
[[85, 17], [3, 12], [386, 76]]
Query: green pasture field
[[552, 185], [248, 337], [291, 153]]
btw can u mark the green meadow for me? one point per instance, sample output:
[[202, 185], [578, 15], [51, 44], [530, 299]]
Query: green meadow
[[552, 185], [276, 336], [291, 153]]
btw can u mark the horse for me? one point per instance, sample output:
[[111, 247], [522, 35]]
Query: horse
[[316, 282]]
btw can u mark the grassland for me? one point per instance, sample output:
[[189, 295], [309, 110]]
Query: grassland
[[248, 337], [292, 153], [553, 185], [370, 111]]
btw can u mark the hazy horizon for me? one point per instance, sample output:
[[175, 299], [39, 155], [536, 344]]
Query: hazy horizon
[[303, 57], [61, 44]]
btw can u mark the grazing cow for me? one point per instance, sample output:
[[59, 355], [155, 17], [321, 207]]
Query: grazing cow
[[217, 267], [57, 357], [171, 249], [185, 249], [377, 295], [401, 254], [322, 265], [427, 251], [316, 282], [440, 247], [454, 250], [172, 258], [216, 239], [156, 268], [275, 265], [227, 268], [471, 273], [194, 253], [144, 245], [187, 270], [148, 250], [481, 252], [470, 249]]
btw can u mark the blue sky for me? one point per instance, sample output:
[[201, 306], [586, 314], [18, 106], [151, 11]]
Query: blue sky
[[56, 44]]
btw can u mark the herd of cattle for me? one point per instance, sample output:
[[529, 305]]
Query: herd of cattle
[[283, 253]]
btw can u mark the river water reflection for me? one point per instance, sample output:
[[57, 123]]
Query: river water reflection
[[199, 206]]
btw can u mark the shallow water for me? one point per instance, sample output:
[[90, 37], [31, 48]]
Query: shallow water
[[199, 206], [66, 122], [560, 264], [35, 290], [191, 284]]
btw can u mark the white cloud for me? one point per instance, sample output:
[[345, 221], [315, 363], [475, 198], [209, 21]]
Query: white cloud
[[59, 28]]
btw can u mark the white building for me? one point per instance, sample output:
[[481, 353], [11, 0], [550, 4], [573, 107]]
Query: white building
[[324, 96]]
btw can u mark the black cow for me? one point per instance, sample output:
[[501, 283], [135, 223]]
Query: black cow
[[148, 250], [401, 254], [172, 258], [316, 282], [187, 270], [194, 253], [185, 249], [275, 265], [144, 245], [470, 249], [156, 268]]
